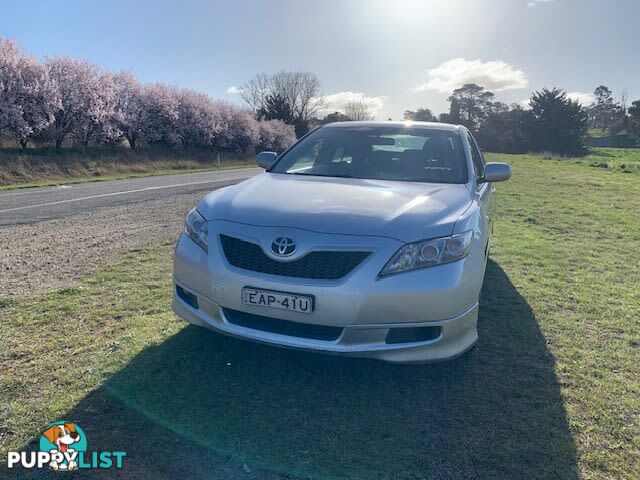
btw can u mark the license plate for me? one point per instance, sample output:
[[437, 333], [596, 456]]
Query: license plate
[[282, 300]]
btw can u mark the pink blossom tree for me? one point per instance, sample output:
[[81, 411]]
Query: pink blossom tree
[[40, 102], [10, 106], [108, 130], [245, 130], [275, 136], [78, 87], [196, 124], [129, 108], [237, 128], [67, 97], [160, 114], [98, 123], [27, 96]]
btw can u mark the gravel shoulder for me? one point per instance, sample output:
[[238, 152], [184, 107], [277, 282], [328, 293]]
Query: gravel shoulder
[[55, 254]]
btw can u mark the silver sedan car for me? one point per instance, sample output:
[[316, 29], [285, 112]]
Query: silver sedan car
[[367, 239]]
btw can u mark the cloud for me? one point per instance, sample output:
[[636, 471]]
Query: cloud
[[337, 101], [534, 3], [233, 90], [582, 98], [494, 75]]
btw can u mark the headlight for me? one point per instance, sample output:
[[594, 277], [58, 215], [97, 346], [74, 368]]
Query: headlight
[[428, 253], [195, 226]]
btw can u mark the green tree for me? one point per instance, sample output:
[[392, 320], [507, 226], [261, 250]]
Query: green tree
[[335, 117], [634, 117], [420, 115], [605, 110], [470, 105], [276, 107], [296, 94], [507, 130], [558, 123]]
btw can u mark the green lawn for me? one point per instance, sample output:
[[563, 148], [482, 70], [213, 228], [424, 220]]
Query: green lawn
[[598, 132], [551, 391], [626, 160]]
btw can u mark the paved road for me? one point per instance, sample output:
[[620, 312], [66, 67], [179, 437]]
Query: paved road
[[33, 205]]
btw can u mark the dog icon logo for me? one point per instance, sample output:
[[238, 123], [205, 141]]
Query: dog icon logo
[[63, 446], [63, 440]]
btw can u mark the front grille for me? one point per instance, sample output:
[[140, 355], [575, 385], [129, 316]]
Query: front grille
[[282, 327], [326, 265]]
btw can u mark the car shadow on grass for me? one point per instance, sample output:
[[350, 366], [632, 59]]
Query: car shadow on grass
[[203, 405]]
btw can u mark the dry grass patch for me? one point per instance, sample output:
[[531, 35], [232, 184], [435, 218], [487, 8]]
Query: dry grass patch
[[46, 167]]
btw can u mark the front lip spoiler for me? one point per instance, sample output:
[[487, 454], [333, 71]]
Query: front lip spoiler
[[439, 349]]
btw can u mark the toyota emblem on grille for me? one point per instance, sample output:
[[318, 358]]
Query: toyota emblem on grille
[[283, 246]]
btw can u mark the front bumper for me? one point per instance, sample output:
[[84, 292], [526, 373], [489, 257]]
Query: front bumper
[[458, 335], [363, 307]]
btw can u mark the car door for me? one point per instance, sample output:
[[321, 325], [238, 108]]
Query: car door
[[485, 191]]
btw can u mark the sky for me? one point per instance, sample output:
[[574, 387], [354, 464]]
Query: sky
[[395, 55]]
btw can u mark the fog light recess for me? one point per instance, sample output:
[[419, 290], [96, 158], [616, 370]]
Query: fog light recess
[[187, 297], [413, 334]]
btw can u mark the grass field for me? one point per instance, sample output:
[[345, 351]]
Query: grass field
[[551, 391], [626, 160]]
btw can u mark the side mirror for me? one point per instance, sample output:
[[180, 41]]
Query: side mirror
[[266, 159], [496, 172]]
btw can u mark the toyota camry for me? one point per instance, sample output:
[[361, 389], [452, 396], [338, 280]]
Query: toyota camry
[[367, 239]]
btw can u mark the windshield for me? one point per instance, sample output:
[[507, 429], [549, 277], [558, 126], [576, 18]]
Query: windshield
[[382, 153]]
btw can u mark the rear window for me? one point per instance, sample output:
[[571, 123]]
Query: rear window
[[384, 153]]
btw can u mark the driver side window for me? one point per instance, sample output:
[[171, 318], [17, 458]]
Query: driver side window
[[476, 157], [308, 156]]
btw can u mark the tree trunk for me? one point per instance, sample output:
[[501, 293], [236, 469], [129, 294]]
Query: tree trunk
[[132, 141], [59, 144], [23, 143]]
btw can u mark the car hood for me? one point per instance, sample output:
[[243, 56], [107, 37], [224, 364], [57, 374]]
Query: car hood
[[406, 211]]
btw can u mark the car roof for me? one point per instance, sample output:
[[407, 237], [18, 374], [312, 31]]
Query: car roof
[[427, 125]]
